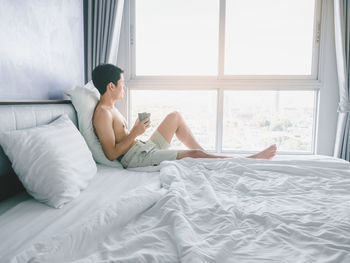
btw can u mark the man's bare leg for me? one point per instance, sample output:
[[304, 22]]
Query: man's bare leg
[[268, 153], [172, 124]]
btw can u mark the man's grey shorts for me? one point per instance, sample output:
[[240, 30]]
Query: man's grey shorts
[[152, 152]]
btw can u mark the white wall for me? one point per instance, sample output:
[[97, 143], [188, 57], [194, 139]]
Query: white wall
[[41, 49], [329, 93]]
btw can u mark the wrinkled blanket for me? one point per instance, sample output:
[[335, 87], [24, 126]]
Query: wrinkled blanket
[[223, 210]]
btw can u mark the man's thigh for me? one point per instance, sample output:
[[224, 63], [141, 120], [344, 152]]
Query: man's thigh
[[158, 139], [168, 127]]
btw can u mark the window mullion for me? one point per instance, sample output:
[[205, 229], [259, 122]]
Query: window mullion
[[219, 119], [316, 47], [220, 92], [221, 57]]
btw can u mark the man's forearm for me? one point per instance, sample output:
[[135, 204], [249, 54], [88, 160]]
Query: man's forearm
[[123, 146]]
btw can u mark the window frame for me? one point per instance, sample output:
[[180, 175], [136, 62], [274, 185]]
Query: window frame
[[221, 52], [223, 82]]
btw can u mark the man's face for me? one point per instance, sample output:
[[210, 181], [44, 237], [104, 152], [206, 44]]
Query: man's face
[[119, 88]]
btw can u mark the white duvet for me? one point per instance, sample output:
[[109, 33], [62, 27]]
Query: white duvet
[[227, 210]]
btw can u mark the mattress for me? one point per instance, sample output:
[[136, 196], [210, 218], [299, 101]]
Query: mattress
[[24, 221]]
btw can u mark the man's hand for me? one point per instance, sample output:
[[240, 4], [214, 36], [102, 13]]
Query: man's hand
[[140, 126]]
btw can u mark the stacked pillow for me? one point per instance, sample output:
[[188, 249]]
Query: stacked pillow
[[55, 162], [84, 100], [52, 161]]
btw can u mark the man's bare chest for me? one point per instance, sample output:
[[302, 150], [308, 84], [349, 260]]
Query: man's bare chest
[[119, 126]]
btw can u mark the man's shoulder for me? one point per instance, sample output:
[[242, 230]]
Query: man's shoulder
[[101, 109], [102, 112]]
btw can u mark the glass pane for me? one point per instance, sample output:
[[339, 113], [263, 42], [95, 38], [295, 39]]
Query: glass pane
[[269, 37], [198, 108], [177, 37], [254, 120]]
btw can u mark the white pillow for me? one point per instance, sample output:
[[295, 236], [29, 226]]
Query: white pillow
[[84, 100], [52, 161]]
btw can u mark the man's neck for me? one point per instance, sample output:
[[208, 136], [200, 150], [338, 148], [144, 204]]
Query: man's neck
[[107, 101]]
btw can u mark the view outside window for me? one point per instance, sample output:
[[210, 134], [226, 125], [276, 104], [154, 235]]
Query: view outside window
[[269, 37], [198, 108], [254, 120], [177, 37]]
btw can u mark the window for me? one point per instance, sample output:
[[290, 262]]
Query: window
[[270, 37], [177, 37], [243, 73], [254, 120], [198, 108]]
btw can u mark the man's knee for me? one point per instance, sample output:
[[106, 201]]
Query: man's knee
[[175, 115]]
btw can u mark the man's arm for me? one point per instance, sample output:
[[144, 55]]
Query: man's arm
[[103, 123]]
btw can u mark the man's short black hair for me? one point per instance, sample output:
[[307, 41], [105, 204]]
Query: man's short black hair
[[104, 74]]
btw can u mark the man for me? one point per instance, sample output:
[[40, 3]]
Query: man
[[121, 144]]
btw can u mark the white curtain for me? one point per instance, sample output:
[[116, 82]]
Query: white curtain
[[102, 25], [342, 38]]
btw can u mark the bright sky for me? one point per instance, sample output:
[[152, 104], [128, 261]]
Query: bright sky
[[180, 37]]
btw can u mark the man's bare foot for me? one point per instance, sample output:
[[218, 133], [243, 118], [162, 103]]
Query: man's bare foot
[[268, 153]]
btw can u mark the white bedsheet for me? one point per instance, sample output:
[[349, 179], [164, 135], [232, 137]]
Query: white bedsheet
[[31, 222], [238, 210]]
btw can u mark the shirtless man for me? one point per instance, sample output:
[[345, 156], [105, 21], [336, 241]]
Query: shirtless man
[[121, 144]]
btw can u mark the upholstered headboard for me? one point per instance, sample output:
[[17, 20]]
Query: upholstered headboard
[[21, 116]]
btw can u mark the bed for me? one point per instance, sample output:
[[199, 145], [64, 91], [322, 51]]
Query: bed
[[289, 209]]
